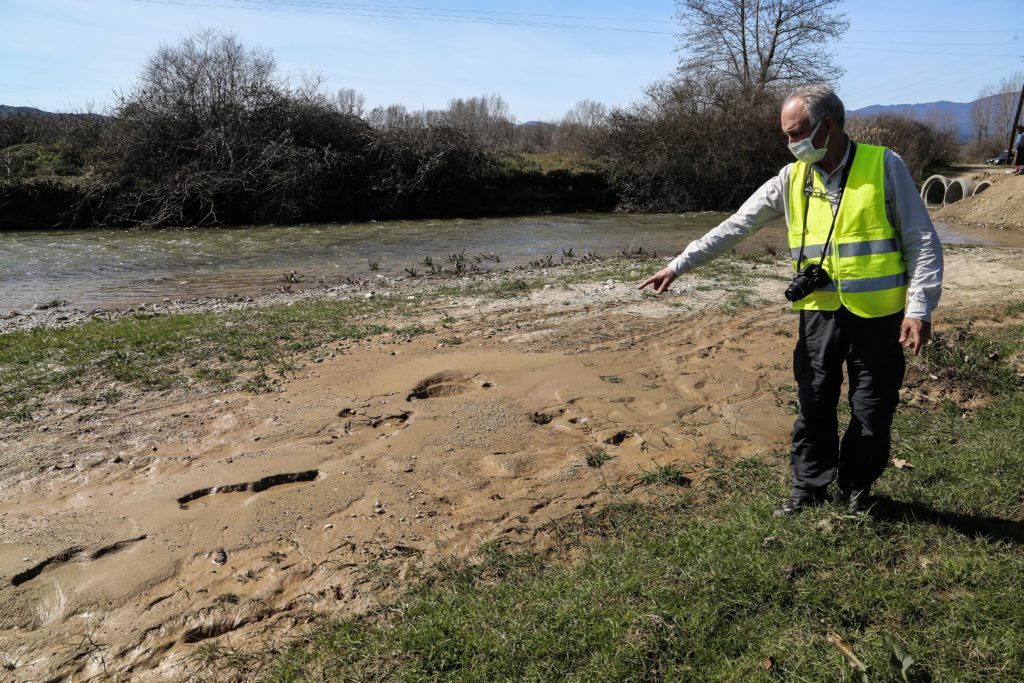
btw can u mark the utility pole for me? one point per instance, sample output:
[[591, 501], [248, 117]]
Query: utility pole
[[1013, 126]]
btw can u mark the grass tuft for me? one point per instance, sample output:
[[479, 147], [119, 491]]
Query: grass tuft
[[970, 361], [664, 474], [596, 456]]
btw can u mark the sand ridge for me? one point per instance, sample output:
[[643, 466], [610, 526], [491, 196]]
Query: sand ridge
[[136, 532]]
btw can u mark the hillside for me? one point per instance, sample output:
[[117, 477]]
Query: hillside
[[958, 114], [7, 110]]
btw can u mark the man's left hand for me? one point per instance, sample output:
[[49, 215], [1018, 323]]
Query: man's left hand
[[914, 334]]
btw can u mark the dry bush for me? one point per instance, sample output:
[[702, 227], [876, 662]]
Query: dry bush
[[922, 145], [424, 170], [584, 129], [211, 134], [694, 146], [485, 119]]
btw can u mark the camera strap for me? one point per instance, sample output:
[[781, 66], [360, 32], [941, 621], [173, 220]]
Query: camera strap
[[835, 212]]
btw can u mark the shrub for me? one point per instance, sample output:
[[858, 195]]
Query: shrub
[[922, 145], [694, 146]]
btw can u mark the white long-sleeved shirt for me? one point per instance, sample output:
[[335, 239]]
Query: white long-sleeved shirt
[[922, 250]]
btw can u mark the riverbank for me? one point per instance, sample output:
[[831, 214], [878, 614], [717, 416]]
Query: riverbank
[[522, 188], [181, 484]]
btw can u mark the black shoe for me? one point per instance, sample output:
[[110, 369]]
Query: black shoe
[[793, 505], [860, 501]]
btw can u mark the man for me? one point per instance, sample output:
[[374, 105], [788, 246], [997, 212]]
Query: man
[[854, 209]]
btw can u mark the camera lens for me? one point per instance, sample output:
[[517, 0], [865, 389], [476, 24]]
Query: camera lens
[[798, 289]]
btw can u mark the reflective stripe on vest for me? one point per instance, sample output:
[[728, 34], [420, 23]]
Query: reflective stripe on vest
[[864, 258]]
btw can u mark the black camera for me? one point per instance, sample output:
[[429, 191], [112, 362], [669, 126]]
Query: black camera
[[812, 277]]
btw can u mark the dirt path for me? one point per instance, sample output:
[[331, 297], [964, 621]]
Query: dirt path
[[135, 533]]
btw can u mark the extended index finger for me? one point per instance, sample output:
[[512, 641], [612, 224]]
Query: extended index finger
[[649, 281]]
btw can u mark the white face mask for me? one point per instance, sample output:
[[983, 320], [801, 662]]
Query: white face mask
[[804, 150]]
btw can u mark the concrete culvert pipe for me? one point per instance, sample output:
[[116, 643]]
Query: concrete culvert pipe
[[982, 186], [934, 189], [957, 189]]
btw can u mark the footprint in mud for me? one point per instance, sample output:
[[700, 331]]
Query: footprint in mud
[[358, 420], [618, 438], [446, 383], [543, 418], [251, 486], [381, 421], [75, 553]]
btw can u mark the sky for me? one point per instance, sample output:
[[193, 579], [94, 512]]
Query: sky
[[541, 56]]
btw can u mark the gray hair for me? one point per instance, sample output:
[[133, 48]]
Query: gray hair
[[820, 100]]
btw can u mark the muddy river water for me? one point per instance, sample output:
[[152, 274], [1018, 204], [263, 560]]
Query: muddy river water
[[107, 268]]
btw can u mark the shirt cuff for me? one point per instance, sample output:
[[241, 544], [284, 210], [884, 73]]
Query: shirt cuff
[[918, 310], [678, 265]]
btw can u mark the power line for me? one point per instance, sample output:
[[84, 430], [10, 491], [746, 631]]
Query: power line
[[929, 30], [964, 73], [492, 17], [886, 42], [399, 14], [385, 7], [841, 46]]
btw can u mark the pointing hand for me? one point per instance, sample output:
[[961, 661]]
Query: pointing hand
[[660, 281]]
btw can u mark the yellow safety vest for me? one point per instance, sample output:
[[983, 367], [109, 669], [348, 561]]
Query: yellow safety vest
[[863, 258]]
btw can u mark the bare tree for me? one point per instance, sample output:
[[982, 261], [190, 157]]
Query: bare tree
[[393, 116], [1005, 105], [981, 112], [537, 137], [208, 75], [211, 132], [587, 113], [759, 44], [582, 127], [485, 118], [350, 101]]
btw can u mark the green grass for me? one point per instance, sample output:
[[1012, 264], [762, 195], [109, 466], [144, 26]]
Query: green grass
[[30, 161], [503, 288], [735, 300], [596, 457], [708, 586], [973, 362], [664, 474], [160, 352]]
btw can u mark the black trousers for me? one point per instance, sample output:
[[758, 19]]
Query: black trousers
[[870, 349]]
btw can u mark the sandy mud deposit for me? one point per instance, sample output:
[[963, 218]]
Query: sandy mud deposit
[[132, 534]]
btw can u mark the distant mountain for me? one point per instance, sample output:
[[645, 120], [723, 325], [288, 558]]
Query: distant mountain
[[957, 114], [7, 110]]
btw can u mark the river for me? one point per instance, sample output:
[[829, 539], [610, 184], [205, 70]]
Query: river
[[111, 268]]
